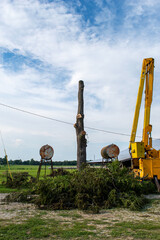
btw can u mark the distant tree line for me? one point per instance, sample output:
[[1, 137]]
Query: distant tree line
[[3, 161]]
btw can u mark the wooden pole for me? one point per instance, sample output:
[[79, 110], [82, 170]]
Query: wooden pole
[[79, 126]]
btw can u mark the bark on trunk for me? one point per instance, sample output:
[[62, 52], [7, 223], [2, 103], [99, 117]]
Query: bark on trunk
[[79, 126]]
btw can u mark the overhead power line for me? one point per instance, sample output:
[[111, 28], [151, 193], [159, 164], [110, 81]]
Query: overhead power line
[[106, 131], [61, 121], [35, 114]]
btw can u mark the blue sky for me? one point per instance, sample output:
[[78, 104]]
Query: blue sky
[[46, 47]]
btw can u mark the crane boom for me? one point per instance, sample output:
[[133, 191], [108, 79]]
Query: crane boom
[[145, 159], [148, 65], [147, 128]]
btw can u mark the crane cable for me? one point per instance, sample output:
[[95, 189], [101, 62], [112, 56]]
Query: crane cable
[[6, 157]]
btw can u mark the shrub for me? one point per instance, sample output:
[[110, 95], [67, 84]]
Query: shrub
[[93, 189], [19, 180], [59, 172], [55, 193]]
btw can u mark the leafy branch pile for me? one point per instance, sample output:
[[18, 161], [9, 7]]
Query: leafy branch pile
[[19, 180], [93, 189]]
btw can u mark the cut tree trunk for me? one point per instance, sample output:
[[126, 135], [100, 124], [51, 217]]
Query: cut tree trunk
[[79, 126]]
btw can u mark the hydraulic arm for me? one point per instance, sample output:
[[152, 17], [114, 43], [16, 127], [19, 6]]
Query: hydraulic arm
[[145, 159]]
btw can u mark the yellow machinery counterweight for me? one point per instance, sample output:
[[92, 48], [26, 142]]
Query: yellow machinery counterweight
[[145, 159]]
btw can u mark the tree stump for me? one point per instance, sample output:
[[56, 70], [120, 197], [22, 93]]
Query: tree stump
[[79, 126]]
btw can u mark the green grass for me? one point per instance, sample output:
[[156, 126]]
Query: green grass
[[137, 230], [53, 228], [31, 169], [37, 228], [4, 189]]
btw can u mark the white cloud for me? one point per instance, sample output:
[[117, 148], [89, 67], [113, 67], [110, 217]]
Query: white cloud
[[18, 142], [109, 63]]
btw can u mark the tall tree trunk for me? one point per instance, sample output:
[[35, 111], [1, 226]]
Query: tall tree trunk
[[79, 126]]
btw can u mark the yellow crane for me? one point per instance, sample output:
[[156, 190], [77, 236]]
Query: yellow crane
[[145, 160]]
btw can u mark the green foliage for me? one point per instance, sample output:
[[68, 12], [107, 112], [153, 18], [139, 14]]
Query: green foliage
[[55, 193], [18, 197], [59, 172], [3, 161], [92, 189], [19, 180], [35, 162]]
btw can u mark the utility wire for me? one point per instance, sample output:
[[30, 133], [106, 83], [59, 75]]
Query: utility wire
[[35, 114], [106, 131], [61, 121], [57, 120]]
